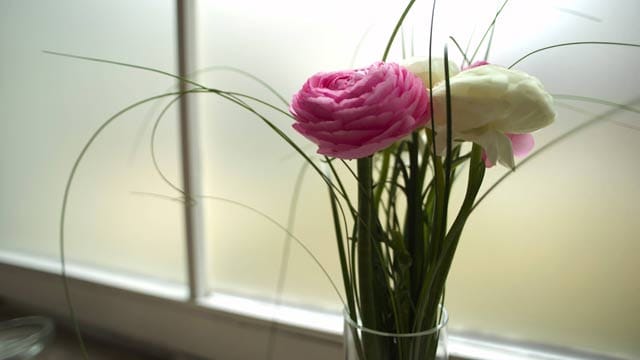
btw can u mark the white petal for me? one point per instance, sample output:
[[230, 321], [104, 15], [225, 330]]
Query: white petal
[[496, 145], [508, 100], [419, 66], [488, 102]]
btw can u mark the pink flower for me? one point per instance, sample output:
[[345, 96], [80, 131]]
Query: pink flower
[[352, 114]]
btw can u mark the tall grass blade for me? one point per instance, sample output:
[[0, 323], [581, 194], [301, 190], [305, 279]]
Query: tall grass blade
[[396, 28]]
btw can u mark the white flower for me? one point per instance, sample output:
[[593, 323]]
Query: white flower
[[419, 66], [488, 102]]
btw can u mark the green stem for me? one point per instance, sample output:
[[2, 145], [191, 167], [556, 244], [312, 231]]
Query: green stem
[[449, 148], [413, 225], [434, 285], [346, 278], [369, 312], [65, 201], [365, 244], [382, 178]]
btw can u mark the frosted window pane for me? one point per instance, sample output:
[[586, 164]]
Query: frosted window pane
[[245, 161], [50, 107], [549, 257]]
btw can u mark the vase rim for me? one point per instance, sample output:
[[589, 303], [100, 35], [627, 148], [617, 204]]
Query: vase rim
[[443, 322]]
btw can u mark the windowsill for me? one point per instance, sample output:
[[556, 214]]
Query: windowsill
[[135, 305], [329, 323], [64, 345], [138, 284]]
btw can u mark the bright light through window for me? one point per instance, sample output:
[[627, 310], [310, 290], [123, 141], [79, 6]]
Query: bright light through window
[[552, 271]]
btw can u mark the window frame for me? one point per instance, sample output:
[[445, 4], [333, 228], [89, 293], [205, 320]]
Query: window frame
[[160, 315]]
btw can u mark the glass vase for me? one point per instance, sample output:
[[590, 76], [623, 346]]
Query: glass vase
[[25, 337], [361, 343]]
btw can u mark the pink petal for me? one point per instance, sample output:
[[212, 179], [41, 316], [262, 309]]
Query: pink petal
[[354, 113], [522, 144], [476, 64]]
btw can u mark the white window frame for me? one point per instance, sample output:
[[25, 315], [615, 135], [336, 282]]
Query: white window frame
[[161, 315]]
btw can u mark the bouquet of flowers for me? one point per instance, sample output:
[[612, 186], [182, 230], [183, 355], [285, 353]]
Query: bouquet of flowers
[[407, 125]]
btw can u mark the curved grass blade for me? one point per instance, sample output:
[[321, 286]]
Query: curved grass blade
[[286, 253], [244, 73], [86, 58], [259, 101], [234, 96], [579, 14], [270, 219], [332, 188], [65, 200], [181, 78], [152, 144], [431, 109], [289, 234], [489, 43], [294, 199], [571, 44], [448, 160], [160, 117], [592, 100], [484, 36], [231, 96], [625, 125], [396, 29], [464, 54], [345, 265], [209, 69]]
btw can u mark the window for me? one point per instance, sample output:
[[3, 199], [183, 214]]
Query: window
[[548, 258], [50, 107]]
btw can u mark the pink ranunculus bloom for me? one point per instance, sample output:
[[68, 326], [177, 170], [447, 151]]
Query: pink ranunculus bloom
[[352, 114]]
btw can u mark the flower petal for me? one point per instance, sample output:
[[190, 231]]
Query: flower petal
[[522, 144], [419, 66], [354, 113]]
